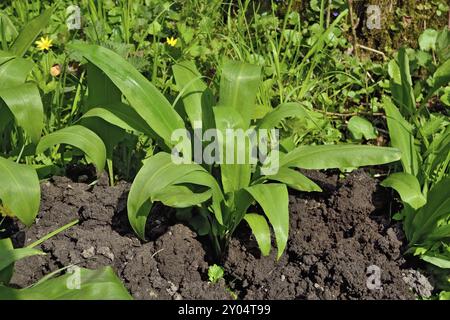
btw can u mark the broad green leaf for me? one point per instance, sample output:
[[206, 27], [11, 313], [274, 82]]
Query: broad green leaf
[[79, 137], [443, 44], [19, 190], [110, 126], [6, 273], [110, 134], [196, 96], [9, 255], [441, 76], [427, 40], [338, 156], [235, 173], [294, 180], [204, 179], [444, 295], [25, 103], [102, 91], [7, 30], [438, 260], [5, 57], [437, 156], [402, 138], [274, 200], [5, 116], [14, 72], [81, 284], [237, 204], [437, 207], [200, 224], [30, 32], [260, 230], [439, 233], [283, 111], [239, 84], [157, 173], [407, 214], [177, 196], [361, 127], [146, 100], [401, 83], [120, 115], [408, 188]]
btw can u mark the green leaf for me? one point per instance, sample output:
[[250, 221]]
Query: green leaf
[[283, 111], [30, 32], [110, 134], [274, 200], [439, 233], [443, 44], [197, 98], [444, 295], [6, 273], [146, 100], [437, 156], [401, 83], [82, 284], [8, 31], [120, 115], [338, 156], [408, 188], [438, 260], [437, 207], [441, 77], [5, 57], [260, 230], [361, 127], [176, 196], [14, 72], [79, 137], [9, 255], [215, 273], [25, 103], [235, 174], [400, 132], [239, 84], [19, 191], [427, 40], [102, 91], [157, 173], [294, 180]]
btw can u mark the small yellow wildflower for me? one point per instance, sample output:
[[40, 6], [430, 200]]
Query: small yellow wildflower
[[172, 41], [44, 43], [5, 211]]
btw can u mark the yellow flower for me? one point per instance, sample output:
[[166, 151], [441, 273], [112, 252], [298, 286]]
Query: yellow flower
[[172, 41], [44, 43], [5, 211]]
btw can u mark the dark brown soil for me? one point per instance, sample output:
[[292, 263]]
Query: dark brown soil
[[334, 237], [172, 266]]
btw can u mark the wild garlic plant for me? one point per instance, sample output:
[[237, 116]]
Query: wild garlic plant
[[216, 197]]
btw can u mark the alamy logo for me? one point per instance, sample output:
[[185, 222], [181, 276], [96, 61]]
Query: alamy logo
[[228, 146], [73, 281], [373, 13], [373, 274], [73, 20]]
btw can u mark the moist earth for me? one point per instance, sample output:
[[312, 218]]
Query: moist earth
[[342, 245]]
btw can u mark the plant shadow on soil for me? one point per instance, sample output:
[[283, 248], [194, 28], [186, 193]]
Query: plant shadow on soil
[[334, 237]]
